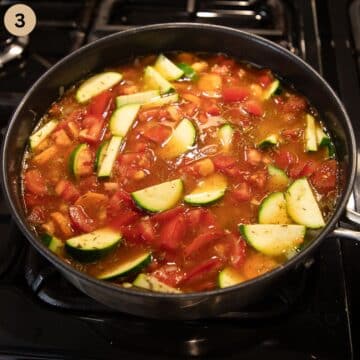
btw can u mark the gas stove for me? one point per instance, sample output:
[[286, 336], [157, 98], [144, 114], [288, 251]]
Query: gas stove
[[313, 317]]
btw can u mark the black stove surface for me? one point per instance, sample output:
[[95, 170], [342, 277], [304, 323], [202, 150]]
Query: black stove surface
[[315, 316]]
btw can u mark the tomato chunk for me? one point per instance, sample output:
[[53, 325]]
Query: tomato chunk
[[146, 231], [201, 240], [101, 104], [35, 183], [207, 266], [222, 162], [172, 233], [168, 214], [324, 178], [79, 219], [238, 254], [284, 158], [242, 192], [235, 94], [67, 190], [157, 133], [253, 107]]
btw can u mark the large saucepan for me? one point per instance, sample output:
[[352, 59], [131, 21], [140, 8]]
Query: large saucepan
[[155, 39]]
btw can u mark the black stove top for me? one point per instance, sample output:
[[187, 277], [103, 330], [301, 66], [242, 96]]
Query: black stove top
[[315, 316]]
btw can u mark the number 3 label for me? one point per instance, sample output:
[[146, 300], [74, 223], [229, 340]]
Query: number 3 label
[[20, 20]]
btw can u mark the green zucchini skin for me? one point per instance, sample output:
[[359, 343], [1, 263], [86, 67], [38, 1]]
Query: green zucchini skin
[[188, 71], [73, 159], [53, 243], [132, 267], [100, 154], [167, 68], [89, 247], [229, 277]]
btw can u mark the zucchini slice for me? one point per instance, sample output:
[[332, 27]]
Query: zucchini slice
[[278, 178], [37, 137], [182, 139], [302, 206], [137, 98], [271, 89], [155, 81], [229, 277], [273, 239], [161, 100], [270, 140], [149, 282], [159, 197], [122, 119], [94, 245], [96, 85], [272, 210], [52, 242], [188, 71], [110, 157], [226, 133], [131, 265], [310, 134], [209, 190], [78, 160], [100, 154], [323, 140], [167, 68]]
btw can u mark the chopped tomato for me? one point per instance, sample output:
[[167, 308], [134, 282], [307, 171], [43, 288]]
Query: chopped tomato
[[238, 254], [124, 218], [79, 219], [33, 200], [291, 134], [258, 179], [222, 162], [67, 190], [172, 233], [265, 79], [120, 199], [202, 240], [242, 192], [210, 107], [148, 115], [168, 214], [294, 104], [92, 134], [101, 104], [284, 158], [253, 107], [235, 94], [35, 183], [207, 266], [157, 133], [146, 231], [324, 178], [37, 215], [193, 217], [303, 168]]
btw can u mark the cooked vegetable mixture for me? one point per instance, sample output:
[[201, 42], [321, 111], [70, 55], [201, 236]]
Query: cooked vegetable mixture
[[179, 173]]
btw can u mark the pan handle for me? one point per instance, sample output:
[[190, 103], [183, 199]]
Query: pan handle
[[346, 233]]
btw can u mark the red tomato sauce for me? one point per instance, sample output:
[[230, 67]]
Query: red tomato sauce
[[189, 244]]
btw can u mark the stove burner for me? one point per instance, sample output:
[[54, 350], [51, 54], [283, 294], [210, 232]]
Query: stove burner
[[12, 48]]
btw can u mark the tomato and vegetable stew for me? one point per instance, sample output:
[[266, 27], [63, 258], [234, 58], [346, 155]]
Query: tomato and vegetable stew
[[179, 173]]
